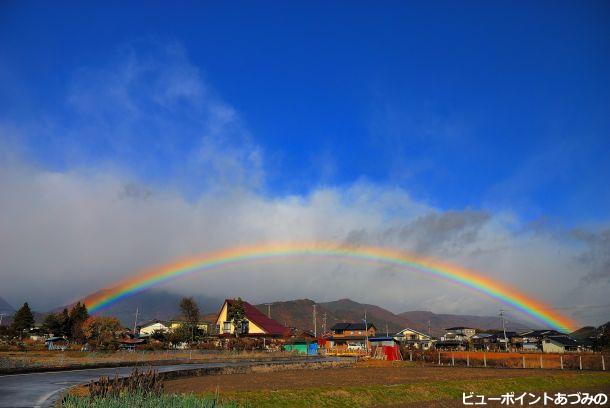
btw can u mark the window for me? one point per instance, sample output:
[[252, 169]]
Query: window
[[359, 331], [226, 327]]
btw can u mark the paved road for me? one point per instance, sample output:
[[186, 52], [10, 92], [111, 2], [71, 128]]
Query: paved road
[[43, 389]]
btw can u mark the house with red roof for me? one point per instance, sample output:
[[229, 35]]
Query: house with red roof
[[255, 324]]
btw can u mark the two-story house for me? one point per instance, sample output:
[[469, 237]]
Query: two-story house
[[413, 338], [351, 336]]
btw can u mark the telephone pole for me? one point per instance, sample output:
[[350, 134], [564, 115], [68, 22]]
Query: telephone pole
[[135, 323], [324, 324], [504, 329], [366, 331], [268, 310], [429, 331], [315, 325], [1, 316]]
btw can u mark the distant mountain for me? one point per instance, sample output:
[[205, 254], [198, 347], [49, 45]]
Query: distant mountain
[[439, 322], [584, 333], [6, 308], [154, 305], [299, 313]]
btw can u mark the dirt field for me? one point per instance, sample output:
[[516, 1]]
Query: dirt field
[[375, 383], [362, 374]]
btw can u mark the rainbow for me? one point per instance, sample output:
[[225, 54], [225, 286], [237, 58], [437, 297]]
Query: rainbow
[[234, 256]]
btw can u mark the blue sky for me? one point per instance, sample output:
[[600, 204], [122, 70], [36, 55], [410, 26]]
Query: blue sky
[[483, 127], [464, 105]]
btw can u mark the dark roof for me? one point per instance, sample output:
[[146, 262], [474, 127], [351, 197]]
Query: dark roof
[[563, 340], [261, 320], [541, 333], [376, 339], [459, 328], [351, 326]]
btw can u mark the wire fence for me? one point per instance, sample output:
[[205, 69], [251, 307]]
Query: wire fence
[[567, 361]]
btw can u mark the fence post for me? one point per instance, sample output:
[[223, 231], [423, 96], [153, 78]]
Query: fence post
[[603, 364], [468, 359], [484, 359], [452, 359], [580, 362], [561, 361], [541, 361], [523, 360], [439, 358], [410, 356]]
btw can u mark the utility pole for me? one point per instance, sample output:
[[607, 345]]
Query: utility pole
[[387, 332], [135, 323], [315, 325], [1, 316], [366, 331], [429, 331], [268, 310], [504, 328], [324, 324]]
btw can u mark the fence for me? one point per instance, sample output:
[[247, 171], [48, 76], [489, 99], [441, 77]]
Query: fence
[[568, 361]]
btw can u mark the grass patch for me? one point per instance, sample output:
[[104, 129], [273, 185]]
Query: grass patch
[[139, 400], [382, 395]]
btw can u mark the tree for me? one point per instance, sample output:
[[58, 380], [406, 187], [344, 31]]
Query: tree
[[190, 314], [23, 320], [77, 317], [101, 332], [64, 318], [236, 314], [53, 324]]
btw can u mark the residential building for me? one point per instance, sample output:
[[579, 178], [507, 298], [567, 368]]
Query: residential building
[[560, 344], [413, 338], [255, 324], [351, 336], [148, 329], [531, 340], [458, 333]]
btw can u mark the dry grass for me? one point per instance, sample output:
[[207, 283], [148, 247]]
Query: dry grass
[[15, 360]]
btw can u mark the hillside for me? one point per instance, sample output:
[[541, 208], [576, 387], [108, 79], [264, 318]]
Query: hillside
[[154, 305], [299, 313], [6, 308]]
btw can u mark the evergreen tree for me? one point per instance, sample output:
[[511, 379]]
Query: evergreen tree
[[190, 314], [77, 317], [53, 324], [23, 320]]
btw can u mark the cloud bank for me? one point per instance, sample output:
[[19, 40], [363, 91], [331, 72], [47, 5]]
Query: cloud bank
[[107, 208]]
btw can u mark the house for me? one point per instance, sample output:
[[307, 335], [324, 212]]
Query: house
[[560, 344], [148, 329], [255, 324], [413, 338], [176, 324], [350, 336], [531, 340], [458, 333], [482, 341]]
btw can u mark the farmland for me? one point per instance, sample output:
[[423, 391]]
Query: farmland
[[381, 383], [21, 361]]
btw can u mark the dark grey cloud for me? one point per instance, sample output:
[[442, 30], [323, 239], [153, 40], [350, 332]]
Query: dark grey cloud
[[595, 258]]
